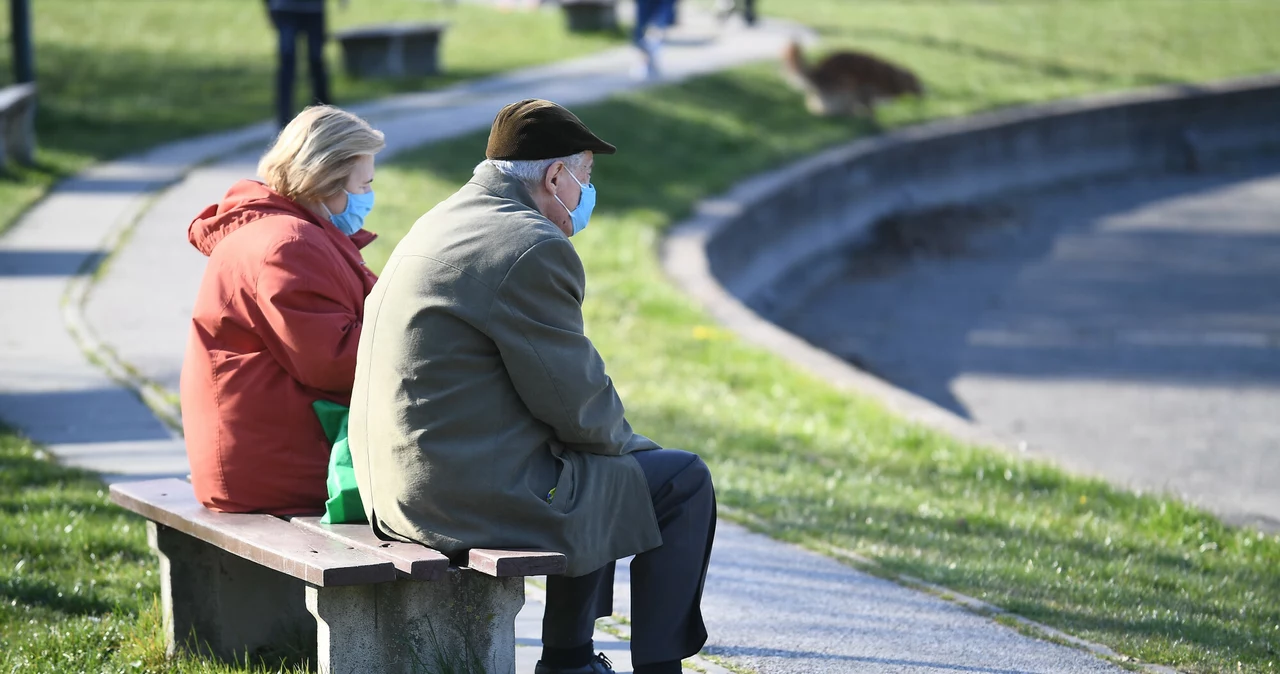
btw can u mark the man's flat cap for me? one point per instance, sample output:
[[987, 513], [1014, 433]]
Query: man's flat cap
[[538, 129]]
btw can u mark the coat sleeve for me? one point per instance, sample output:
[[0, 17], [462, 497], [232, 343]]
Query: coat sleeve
[[536, 322], [311, 328]]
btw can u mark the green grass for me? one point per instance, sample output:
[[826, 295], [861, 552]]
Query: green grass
[[78, 586], [117, 76], [1148, 576]]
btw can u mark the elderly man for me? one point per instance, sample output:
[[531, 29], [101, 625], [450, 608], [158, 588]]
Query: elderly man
[[482, 415]]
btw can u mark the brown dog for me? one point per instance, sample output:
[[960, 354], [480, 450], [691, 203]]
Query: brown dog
[[848, 82]]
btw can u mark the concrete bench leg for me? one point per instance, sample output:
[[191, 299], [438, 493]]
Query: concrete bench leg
[[466, 619], [216, 603]]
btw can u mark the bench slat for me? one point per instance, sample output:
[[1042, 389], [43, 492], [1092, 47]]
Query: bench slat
[[264, 539], [508, 563], [416, 561]]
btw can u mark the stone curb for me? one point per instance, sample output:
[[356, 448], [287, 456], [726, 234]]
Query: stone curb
[[686, 260], [193, 153], [759, 274], [99, 353]]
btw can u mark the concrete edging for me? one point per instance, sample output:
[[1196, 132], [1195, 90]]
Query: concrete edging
[[154, 172], [734, 258]]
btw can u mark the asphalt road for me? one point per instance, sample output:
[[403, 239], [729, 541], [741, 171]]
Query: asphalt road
[[1127, 328]]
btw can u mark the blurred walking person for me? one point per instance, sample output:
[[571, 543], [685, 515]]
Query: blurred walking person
[[657, 14], [293, 18], [726, 8]]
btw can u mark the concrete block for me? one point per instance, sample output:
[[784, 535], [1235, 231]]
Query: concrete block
[[586, 16], [18, 124], [411, 626], [392, 50], [216, 603]]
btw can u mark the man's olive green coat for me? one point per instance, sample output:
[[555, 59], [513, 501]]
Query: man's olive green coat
[[475, 388]]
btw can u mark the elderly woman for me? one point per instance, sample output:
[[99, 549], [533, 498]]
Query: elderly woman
[[278, 316]]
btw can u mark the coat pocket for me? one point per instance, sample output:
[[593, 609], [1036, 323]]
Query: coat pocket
[[561, 497]]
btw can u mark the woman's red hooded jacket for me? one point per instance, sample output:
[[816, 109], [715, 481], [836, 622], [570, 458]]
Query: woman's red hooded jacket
[[275, 328]]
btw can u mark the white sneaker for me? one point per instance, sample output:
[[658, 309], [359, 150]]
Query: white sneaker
[[647, 67]]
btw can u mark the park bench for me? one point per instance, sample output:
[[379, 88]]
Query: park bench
[[17, 124], [392, 50], [238, 585], [588, 16]]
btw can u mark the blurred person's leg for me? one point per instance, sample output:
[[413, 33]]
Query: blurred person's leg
[[286, 24], [666, 14], [749, 11], [313, 26], [647, 12]]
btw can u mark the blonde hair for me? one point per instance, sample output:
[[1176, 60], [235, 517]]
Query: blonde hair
[[314, 155]]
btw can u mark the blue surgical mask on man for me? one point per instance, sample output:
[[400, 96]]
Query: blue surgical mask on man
[[351, 219], [581, 215]]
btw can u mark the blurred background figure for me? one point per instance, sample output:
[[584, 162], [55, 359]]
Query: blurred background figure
[[727, 8], [292, 18], [658, 15]]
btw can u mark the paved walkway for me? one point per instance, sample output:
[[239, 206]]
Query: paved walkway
[[770, 606], [1129, 329]]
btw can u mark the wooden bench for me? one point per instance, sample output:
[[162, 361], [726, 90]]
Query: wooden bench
[[588, 16], [17, 124], [236, 585], [392, 50]]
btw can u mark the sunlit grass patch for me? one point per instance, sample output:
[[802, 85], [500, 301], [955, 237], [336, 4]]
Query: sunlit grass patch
[[1149, 576]]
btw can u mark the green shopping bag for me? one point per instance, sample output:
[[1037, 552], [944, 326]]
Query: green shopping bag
[[344, 505]]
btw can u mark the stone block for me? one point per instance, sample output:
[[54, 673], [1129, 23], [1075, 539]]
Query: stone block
[[587, 16], [17, 124], [392, 50], [222, 605], [413, 626]]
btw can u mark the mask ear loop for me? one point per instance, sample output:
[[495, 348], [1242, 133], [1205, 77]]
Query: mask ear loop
[[575, 179]]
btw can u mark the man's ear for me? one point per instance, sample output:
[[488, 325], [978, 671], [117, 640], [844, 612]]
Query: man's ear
[[552, 177]]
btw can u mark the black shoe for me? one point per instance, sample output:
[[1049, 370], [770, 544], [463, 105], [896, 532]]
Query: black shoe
[[599, 665]]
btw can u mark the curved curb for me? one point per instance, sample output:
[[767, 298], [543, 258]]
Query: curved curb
[[730, 256], [687, 259], [189, 154]]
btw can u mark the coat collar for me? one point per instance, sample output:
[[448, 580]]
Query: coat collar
[[502, 185]]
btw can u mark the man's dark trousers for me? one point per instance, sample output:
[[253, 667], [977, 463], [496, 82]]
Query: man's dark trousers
[[290, 24], [666, 583]]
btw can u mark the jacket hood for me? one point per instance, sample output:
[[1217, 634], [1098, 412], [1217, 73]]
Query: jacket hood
[[246, 202]]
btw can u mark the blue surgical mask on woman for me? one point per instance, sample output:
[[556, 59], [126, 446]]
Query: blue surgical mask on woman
[[351, 219], [581, 215]]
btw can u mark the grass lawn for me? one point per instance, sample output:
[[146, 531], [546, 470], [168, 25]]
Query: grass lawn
[[1150, 577], [78, 586], [121, 75]]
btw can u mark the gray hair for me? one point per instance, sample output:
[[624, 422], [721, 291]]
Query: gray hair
[[531, 172]]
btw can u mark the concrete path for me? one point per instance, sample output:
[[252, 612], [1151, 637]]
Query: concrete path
[[770, 606], [1129, 329], [778, 609]]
